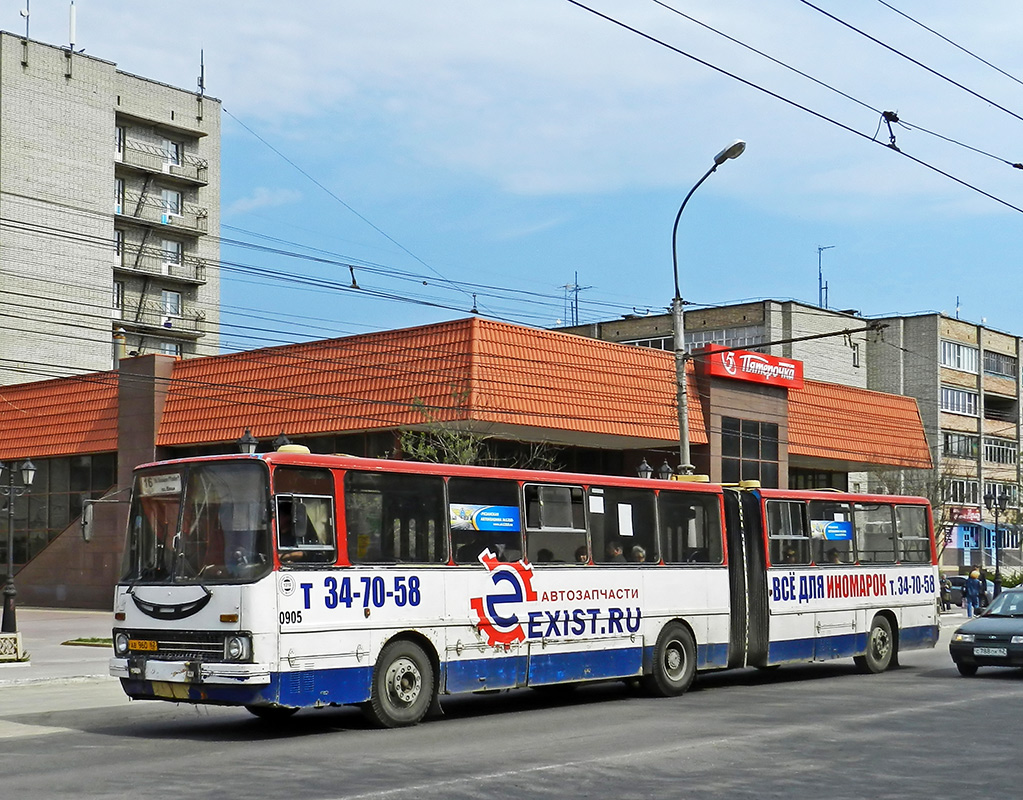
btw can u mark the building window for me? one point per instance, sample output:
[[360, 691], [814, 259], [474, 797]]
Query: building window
[[749, 451], [997, 489], [959, 445], [118, 300], [118, 246], [170, 348], [740, 336], [964, 492], [119, 196], [170, 304], [998, 364], [958, 401], [173, 254], [119, 138], [171, 152], [959, 356], [171, 200], [1000, 451]]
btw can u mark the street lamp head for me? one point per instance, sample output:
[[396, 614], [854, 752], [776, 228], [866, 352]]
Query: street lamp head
[[248, 443], [734, 150], [644, 470], [665, 472], [28, 472]]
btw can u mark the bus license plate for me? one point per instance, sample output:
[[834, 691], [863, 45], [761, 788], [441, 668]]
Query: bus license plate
[[148, 645], [990, 651]]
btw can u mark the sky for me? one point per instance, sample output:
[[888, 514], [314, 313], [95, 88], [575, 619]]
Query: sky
[[460, 154]]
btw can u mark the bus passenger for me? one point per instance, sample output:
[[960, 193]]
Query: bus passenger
[[581, 555], [614, 552], [637, 555], [833, 556]]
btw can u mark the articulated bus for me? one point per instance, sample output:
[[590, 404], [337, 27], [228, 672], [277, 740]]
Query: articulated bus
[[287, 580]]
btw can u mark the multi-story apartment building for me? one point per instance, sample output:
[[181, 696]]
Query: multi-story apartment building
[[109, 213], [966, 380]]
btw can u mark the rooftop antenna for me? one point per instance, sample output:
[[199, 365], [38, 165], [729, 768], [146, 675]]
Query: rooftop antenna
[[822, 287], [957, 306], [202, 91], [25, 14], [575, 288], [71, 26]]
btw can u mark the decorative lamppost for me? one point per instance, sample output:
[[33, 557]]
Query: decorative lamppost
[[644, 470], [685, 467], [665, 471], [281, 441], [248, 443], [28, 474], [996, 504]]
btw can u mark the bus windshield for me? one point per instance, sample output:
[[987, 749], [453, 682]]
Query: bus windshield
[[205, 522]]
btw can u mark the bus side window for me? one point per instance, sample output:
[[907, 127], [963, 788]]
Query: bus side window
[[831, 528], [306, 530], [395, 518], [555, 523], [484, 515], [788, 537], [875, 533], [690, 528], [914, 538], [627, 522]]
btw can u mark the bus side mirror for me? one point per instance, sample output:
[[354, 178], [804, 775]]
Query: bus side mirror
[[87, 513]]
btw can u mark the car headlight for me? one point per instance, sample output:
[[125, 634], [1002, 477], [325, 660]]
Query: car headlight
[[1017, 640], [121, 644], [237, 647], [962, 637]]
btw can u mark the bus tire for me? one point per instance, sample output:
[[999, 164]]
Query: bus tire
[[674, 664], [271, 713], [880, 653], [403, 685]]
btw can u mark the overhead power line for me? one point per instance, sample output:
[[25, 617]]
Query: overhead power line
[[790, 102]]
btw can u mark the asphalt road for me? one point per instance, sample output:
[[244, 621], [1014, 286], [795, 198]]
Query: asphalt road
[[816, 731]]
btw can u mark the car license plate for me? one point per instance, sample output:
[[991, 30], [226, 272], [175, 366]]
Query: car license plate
[[148, 645], [990, 651]]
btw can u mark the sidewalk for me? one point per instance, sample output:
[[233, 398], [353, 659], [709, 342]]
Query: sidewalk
[[43, 632]]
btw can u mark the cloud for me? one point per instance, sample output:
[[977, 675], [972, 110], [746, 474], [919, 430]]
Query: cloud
[[261, 197], [538, 98]]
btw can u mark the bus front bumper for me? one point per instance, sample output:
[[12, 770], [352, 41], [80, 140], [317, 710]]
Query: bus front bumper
[[190, 672]]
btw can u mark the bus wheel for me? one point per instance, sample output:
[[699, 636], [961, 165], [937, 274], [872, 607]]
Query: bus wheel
[[402, 688], [271, 713], [674, 662], [880, 647]]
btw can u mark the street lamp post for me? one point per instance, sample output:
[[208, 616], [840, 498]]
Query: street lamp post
[[996, 504], [685, 467], [28, 473]]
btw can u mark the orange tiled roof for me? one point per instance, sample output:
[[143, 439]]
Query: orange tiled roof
[[59, 417], [827, 420], [489, 373], [471, 369]]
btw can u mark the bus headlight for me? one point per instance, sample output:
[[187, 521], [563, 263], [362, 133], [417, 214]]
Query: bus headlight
[[121, 644], [962, 637], [237, 647]]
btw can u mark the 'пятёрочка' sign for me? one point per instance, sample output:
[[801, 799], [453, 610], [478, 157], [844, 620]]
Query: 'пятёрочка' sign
[[744, 365]]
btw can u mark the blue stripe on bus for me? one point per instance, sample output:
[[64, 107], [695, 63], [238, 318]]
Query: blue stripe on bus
[[825, 648], [346, 686]]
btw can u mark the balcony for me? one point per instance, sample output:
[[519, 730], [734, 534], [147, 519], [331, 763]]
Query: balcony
[[152, 317], [154, 261], [153, 211], [150, 158]]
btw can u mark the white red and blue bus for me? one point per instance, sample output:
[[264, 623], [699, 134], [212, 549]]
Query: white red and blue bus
[[289, 580]]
